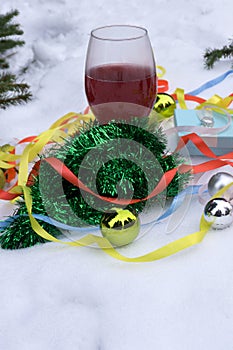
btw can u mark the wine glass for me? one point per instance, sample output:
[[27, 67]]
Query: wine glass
[[120, 73]]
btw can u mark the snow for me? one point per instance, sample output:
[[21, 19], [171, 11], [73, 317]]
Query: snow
[[58, 297]]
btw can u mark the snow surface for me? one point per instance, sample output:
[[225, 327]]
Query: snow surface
[[55, 297]]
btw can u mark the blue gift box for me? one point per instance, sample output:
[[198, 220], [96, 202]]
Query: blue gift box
[[220, 144]]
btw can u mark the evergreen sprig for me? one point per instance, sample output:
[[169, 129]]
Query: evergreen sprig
[[11, 91], [211, 56], [7, 30]]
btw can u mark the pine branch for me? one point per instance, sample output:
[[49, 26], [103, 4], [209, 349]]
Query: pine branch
[[7, 44], [211, 56], [8, 83], [11, 92], [4, 19], [7, 30], [15, 100]]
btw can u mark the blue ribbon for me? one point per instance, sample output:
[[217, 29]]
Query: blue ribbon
[[4, 224], [177, 201], [210, 83]]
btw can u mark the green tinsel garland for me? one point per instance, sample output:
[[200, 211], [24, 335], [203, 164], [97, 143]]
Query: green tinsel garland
[[59, 199]]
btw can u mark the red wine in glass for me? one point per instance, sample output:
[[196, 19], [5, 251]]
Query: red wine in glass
[[120, 74]]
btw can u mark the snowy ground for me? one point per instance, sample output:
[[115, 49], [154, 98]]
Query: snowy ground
[[54, 297]]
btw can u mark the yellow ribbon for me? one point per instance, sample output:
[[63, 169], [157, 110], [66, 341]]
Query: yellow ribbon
[[55, 133], [219, 102], [58, 131], [162, 71], [6, 158], [5, 165], [215, 100], [180, 98]]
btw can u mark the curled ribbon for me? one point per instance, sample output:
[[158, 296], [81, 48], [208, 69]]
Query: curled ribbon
[[58, 131]]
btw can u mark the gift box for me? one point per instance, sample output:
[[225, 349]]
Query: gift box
[[220, 142]]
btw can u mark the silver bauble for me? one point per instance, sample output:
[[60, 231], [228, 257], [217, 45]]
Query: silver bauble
[[218, 212], [218, 181]]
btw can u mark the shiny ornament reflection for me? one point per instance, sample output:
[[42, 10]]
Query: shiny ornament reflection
[[120, 226], [165, 105], [218, 181], [218, 212]]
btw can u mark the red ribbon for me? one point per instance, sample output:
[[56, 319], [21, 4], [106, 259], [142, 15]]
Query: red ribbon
[[67, 174], [190, 98], [6, 195], [162, 85], [167, 177]]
